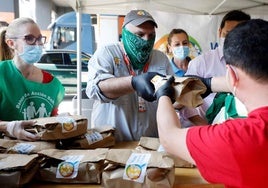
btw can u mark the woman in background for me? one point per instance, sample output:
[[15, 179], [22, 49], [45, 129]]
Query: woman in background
[[178, 47]]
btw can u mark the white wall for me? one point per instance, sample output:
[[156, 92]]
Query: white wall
[[107, 29]]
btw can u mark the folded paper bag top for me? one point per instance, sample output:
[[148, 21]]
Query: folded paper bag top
[[188, 90], [17, 170], [24, 147], [150, 143], [60, 127]]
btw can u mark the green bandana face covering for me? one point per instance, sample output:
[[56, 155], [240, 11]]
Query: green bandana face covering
[[137, 49]]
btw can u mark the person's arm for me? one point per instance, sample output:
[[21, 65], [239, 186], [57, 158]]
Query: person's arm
[[171, 135], [213, 84], [116, 87], [15, 129], [219, 84]]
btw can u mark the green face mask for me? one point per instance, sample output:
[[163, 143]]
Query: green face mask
[[137, 49]]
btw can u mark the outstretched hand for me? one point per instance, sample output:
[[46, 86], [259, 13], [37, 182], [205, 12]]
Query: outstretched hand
[[143, 85], [167, 89], [17, 130]]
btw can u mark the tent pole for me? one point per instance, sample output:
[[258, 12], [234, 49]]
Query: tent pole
[[79, 65], [218, 6]]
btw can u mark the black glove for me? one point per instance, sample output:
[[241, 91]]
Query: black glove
[[167, 89], [143, 85], [206, 82]]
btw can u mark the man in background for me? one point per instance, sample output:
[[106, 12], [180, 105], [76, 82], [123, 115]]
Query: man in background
[[212, 63]]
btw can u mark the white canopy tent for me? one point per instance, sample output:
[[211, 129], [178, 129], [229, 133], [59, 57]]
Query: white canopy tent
[[194, 7], [122, 7]]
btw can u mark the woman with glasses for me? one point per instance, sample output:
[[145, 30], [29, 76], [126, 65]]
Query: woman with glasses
[[24, 87]]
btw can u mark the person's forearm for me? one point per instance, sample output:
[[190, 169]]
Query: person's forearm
[[167, 122], [116, 87], [172, 136], [219, 84]]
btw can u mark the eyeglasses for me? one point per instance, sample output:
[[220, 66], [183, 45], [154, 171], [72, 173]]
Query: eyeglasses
[[31, 39]]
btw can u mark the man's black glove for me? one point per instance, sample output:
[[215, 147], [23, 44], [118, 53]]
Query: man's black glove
[[206, 82], [143, 85], [167, 89]]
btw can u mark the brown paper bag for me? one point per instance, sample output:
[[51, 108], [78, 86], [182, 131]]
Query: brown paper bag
[[188, 90], [59, 166], [150, 143], [17, 169], [24, 147], [94, 138], [60, 127], [160, 170]]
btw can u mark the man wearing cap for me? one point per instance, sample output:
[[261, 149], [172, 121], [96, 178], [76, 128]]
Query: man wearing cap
[[119, 79]]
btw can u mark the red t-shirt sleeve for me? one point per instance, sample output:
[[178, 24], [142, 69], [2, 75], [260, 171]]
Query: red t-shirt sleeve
[[209, 147], [47, 77]]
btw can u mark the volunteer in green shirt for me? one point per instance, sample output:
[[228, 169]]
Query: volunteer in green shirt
[[26, 92]]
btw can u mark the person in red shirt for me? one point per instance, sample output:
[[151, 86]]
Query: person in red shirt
[[235, 152]]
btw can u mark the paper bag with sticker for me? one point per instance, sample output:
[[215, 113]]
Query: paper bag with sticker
[[188, 90], [71, 166], [24, 147], [150, 143], [60, 127], [102, 137], [17, 170], [137, 169]]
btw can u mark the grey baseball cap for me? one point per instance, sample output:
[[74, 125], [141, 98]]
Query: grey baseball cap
[[138, 17]]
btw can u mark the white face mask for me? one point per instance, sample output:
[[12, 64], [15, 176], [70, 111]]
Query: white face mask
[[181, 52]]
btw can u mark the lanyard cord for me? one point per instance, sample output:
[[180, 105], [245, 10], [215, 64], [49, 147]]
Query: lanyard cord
[[129, 67]]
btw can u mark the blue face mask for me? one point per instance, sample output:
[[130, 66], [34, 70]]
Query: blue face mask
[[181, 52], [31, 53]]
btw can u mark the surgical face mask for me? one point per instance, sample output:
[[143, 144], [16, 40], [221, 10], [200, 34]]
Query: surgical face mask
[[137, 49], [181, 52], [31, 53]]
